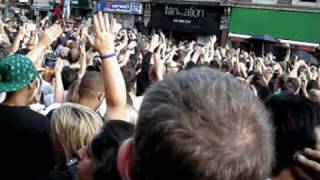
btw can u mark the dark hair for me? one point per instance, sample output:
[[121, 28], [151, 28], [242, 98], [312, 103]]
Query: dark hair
[[129, 75], [202, 124], [226, 66], [91, 84], [23, 51], [214, 64], [291, 86], [312, 84], [68, 77], [104, 148], [294, 119], [264, 92]]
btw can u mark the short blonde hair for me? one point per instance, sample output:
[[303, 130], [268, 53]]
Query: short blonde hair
[[75, 125]]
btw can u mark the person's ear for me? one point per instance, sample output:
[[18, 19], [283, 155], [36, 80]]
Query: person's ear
[[125, 159]]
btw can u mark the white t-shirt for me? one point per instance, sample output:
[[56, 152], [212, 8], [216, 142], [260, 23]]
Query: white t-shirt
[[2, 97]]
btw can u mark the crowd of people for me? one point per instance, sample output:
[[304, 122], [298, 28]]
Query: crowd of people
[[93, 102]]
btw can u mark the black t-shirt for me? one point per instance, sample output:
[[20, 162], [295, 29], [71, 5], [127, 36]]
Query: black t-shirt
[[26, 145]]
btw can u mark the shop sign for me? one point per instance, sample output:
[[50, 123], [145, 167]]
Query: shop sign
[[205, 19], [120, 7], [42, 5]]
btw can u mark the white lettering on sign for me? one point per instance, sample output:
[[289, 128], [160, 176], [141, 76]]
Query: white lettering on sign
[[187, 12], [121, 6], [182, 21]]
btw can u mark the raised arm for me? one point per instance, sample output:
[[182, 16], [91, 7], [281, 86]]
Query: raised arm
[[16, 43], [58, 89], [47, 38], [113, 79], [83, 61], [3, 32]]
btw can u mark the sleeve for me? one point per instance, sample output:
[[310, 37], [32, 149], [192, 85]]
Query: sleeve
[[143, 80]]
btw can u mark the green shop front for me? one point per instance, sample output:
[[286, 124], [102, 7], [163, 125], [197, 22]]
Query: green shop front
[[299, 29]]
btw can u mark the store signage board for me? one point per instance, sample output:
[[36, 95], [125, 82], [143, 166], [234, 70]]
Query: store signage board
[[120, 7], [192, 18], [42, 5]]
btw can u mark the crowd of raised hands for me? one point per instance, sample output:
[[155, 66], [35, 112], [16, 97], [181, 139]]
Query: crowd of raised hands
[[130, 61]]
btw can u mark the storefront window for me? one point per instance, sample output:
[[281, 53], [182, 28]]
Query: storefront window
[[310, 3], [265, 1]]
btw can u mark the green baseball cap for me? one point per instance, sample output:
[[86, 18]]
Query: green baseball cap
[[16, 73]]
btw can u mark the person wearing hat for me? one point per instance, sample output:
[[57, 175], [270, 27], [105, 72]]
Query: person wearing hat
[[26, 145]]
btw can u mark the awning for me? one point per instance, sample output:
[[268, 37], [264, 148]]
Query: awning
[[288, 26]]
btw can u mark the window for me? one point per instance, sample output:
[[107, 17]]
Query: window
[[265, 1], [310, 3]]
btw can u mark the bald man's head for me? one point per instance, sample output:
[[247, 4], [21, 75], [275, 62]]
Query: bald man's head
[[91, 85]]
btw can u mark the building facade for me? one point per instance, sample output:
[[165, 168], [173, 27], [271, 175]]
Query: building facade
[[129, 13], [294, 22]]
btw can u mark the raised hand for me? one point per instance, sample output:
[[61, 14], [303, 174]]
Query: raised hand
[[22, 30], [309, 160], [155, 42], [159, 65], [115, 26], [58, 67], [115, 88], [104, 40], [50, 35]]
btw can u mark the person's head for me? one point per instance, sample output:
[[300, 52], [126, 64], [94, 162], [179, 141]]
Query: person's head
[[313, 84], [68, 77], [73, 127], [280, 80], [23, 51], [291, 86], [181, 54], [295, 119], [91, 90], [18, 78], [171, 68], [64, 53], [99, 160], [62, 40], [129, 75], [74, 56], [314, 95], [264, 92], [73, 92], [215, 64], [226, 66], [199, 124]]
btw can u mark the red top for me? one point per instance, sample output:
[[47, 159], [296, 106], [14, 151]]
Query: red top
[[57, 12]]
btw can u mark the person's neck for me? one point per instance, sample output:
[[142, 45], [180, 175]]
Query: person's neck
[[285, 174], [15, 101], [88, 103]]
